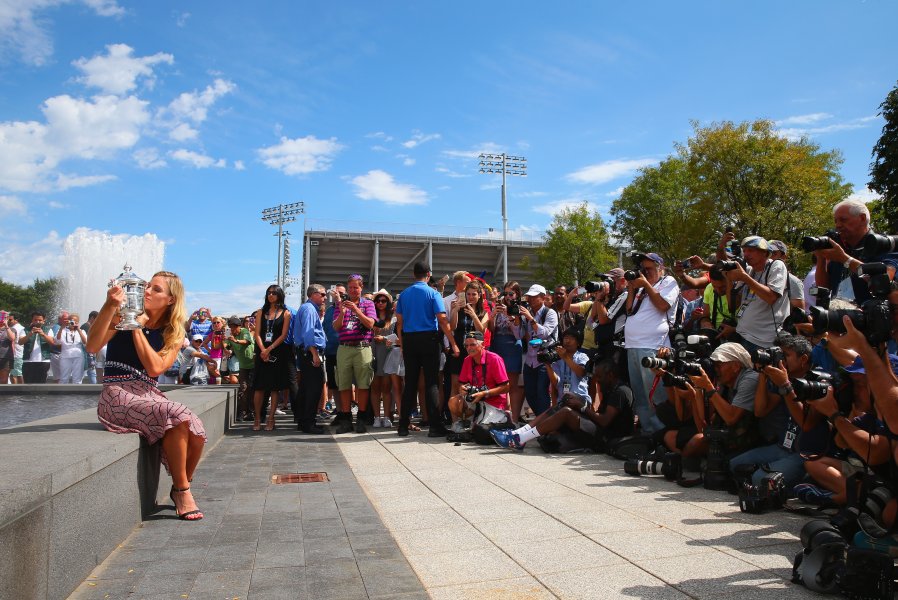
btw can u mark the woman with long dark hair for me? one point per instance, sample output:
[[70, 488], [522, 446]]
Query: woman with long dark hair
[[131, 401], [271, 374], [468, 314], [505, 323], [387, 383]]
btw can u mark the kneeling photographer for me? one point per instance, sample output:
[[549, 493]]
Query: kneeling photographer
[[785, 383], [580, 425], [484, 389], [729, 404]]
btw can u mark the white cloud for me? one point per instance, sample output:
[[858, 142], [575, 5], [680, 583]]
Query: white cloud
[[379, 148], [864, 194], [65, 182], [553, 208], [23, 263], [200, 161], [25, 33], [419, 138], [379, 185], [450, 173], [148, 158], [181, 19], [31, 151], [408, 162], [521, 233], [57, 205], [797, 133], [609, 170], [192, 108], [239, 166], [379, 135], [118, 71], [804, 119], [615, 193], [12, 206], [300, 156], [485, 148]]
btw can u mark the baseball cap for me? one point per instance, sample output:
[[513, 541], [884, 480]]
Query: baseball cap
[[755, 241], [196, 337], [778, 246], [535, 290], [474, 335], [234, 320], [615, 273], [641, 256]]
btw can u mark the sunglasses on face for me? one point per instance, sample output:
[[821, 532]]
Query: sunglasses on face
[[381, 300]]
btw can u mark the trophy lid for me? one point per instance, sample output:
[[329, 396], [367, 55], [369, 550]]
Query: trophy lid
[[128, 277]]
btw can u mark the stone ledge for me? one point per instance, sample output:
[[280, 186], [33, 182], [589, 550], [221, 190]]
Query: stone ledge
[[80, 490]]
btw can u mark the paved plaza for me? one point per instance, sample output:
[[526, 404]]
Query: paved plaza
[[421, 518]]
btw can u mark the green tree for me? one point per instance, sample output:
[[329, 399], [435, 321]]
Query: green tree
[[575, 247], [21, 300], [742, 175], [884, 168], [656, 213]]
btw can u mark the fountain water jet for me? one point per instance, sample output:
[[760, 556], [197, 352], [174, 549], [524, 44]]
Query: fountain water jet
[[91, 258]]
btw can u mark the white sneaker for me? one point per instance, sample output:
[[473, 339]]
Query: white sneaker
[[376, 422], [278, 411], [386, 423]]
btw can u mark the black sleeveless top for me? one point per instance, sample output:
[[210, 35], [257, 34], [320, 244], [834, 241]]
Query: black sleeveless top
[[122, 361]]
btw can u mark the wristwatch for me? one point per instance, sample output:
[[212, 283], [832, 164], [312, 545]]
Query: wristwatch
[[708, 393], [847, 264], [785, 390]]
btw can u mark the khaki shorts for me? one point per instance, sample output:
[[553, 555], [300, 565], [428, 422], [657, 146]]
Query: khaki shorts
[[354, 365]]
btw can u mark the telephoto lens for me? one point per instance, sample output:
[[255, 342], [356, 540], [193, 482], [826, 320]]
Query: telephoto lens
[[631, 275], [810, 243], [768, 356], [651, 362]]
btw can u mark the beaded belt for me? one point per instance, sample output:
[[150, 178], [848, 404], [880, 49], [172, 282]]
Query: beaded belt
[[356, 344], [131, 375]]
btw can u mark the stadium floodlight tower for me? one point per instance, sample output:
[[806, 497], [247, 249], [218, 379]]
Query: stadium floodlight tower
[[278, 215], [506, 165]]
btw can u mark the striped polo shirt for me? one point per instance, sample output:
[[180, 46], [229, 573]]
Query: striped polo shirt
[[353, 331]]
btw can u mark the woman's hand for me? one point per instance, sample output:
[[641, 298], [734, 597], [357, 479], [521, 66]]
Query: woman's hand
[[264, 354], [115, 296], [469, 309]]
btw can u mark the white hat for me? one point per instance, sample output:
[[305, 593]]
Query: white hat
[[732, 352], [535, 290], [196, 337]]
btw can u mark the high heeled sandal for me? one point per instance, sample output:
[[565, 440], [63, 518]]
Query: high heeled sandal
[[270, 425], [192, 515]]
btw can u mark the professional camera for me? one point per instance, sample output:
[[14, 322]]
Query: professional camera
[[344, 297], [595, 286], [631, 275], [651, 362], [770, 494], [547, 355], [822, 294], [812, 386], [677, 381], [717, 465], [469, 393], [871, 247], [873, 318], [671, 467], [728, 265], [763, 357]]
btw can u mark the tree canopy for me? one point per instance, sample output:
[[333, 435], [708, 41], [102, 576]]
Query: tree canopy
[[21, 301], [884, 168], [575, 247], [743, 175]]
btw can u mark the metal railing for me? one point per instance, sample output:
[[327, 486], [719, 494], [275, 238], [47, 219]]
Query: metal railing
[[422, 231]]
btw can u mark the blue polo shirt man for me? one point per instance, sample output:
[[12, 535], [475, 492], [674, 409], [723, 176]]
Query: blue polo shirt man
[[420, 316], [309, 342]]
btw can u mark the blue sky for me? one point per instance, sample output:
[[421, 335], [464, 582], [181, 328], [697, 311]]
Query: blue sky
[[185, 120]]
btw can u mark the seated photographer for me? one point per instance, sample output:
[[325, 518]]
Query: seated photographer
[[188, 359], [732, 398], [760, 292], [783, 413], [567, 373], [482, 379], [681, 432], [587, 426]]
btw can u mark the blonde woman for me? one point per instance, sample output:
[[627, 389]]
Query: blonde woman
[[131, 401]]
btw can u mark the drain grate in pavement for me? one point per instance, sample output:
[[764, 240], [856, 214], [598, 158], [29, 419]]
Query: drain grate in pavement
[[299, 477]]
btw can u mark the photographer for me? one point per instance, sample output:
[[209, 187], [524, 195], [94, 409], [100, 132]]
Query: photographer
[[567, 372], [783, 415], [540, 323], [651, 296], [795, 286], [71, 340], [482, 379], [590, 425], [760, 293], [602, 312], [505, 325], [840, 252], [717, 313], [732, 398], [188, 360], [36, 357]]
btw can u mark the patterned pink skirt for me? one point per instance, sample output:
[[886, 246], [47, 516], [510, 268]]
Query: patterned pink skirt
[[137, 406]]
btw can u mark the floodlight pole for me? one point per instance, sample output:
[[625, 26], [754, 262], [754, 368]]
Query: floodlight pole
[[506, 165], [278, 215]]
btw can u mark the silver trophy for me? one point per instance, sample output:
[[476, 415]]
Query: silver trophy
[[132, 306]]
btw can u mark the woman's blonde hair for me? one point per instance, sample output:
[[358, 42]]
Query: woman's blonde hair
[[173, 332]]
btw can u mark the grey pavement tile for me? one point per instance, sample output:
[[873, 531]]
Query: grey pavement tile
[[518, 531], [228, 557], [441, 539], [647, 544], [424, 519], [287, 579], [171, 583], [271, 554], [324, 550], [102, 589], [389, 550], [554, 556], [219, 585]]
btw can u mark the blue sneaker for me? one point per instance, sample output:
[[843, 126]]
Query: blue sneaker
[[506, 439], [814, 495]]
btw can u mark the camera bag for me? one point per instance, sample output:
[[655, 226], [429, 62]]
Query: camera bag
[[631, 447]]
